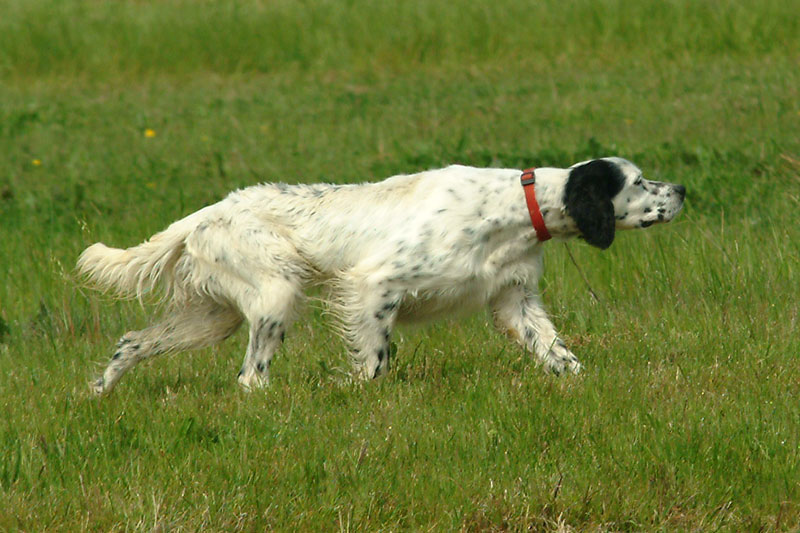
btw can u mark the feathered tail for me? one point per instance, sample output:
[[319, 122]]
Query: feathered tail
[[137, 271]]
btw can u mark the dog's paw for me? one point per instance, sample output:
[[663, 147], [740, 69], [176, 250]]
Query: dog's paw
[[98, 387], [250, 381], [574, 366], [562, 361], [362, 373]]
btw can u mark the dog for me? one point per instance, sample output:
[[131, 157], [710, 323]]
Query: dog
[[409, 248]]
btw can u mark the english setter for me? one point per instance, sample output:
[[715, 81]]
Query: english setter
[[411, 247]]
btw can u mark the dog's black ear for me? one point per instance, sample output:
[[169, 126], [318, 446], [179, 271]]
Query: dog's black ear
[[587, 197]]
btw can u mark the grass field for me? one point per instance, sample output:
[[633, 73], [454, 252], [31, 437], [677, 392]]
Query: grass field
[[117, 118]]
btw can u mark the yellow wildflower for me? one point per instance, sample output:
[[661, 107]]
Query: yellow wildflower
[[149, 133]]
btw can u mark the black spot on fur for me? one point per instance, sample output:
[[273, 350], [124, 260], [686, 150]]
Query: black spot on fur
[[264, 330], [387, 308], [587, 197], [261, 366]]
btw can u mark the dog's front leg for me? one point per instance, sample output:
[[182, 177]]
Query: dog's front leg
[[518, 311], [368, 312]]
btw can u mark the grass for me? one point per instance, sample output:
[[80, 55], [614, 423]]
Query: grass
[[687, 416]]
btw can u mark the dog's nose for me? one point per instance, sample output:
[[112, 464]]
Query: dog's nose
[[681, 191]]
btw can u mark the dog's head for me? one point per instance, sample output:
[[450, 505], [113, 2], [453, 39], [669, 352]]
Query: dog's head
[[603, 195]]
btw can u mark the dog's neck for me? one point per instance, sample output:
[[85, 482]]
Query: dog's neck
[[550, 184]]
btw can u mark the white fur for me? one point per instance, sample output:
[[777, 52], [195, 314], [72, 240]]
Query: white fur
[[411, 247]]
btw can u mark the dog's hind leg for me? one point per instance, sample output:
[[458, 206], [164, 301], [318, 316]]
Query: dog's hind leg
[[269, 312], [257, 268], [196, 325]]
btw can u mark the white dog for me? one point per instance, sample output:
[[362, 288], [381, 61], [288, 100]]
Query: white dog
[[408, 248]]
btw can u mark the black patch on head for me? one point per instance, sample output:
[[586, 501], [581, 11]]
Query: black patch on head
[[587, 197]]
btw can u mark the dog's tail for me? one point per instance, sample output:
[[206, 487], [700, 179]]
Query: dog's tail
[[137, 271]]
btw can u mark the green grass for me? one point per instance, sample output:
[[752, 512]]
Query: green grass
[[688, 414]]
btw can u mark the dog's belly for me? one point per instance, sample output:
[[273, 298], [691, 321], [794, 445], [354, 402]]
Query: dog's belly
[[431, 304], [470, 292]]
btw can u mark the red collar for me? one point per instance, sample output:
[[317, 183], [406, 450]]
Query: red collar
[[528, 179]]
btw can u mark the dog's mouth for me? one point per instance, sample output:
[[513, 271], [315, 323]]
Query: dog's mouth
[[662, 219], [664, 216]]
